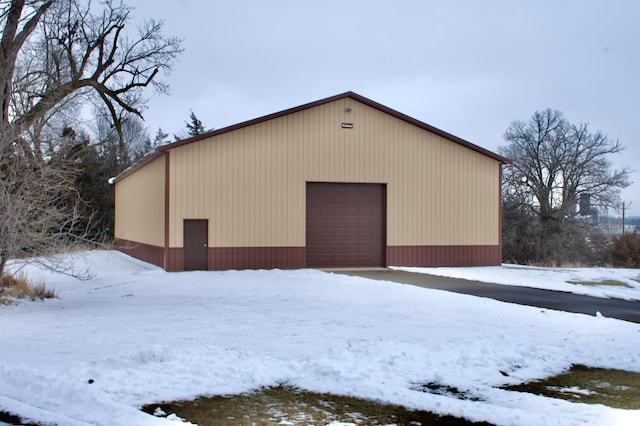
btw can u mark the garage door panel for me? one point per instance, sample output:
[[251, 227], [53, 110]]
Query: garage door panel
[[345, 224]]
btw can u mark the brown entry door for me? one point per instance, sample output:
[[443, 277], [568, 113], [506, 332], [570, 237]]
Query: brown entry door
[[346, 224], [196, 239]]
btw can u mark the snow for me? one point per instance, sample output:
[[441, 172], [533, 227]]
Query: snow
[[575, 390], [144, 335], [558, 279]]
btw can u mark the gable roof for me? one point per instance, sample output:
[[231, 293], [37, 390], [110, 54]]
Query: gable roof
[[268, 117]]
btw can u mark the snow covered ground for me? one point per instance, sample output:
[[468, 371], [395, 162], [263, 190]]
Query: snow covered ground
[[558, 279], [142, 335]]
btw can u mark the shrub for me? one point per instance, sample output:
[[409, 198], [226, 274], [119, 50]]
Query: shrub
[[14, 287], [625, 251], [19, 288], [40, 292]]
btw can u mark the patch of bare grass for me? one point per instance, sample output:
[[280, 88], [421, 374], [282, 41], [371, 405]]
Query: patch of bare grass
[[12, 288], [446, 390], [614, 283], [611, 387], [289, 405], [10, 419]]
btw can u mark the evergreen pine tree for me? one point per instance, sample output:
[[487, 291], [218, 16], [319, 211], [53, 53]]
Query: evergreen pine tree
[[195, 126]]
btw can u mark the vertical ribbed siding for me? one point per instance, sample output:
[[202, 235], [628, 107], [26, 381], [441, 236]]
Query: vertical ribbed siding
[[250, 182], [222, 258], [139, 205], [444, 255], [146, 252]]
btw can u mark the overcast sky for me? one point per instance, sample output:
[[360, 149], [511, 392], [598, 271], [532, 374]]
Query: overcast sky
[[467, 67]]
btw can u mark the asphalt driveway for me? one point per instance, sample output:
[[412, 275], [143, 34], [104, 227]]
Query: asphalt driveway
[[569, 302]]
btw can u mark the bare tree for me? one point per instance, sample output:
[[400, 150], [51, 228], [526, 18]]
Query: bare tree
[[107, 139], [38, 211], [75, 51], [555, 165], [56, 55]]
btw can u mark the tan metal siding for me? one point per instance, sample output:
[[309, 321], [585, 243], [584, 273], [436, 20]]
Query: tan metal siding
[[250, 182], [140, 205]]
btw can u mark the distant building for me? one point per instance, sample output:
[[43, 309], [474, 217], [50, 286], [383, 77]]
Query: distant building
[[585, 204], [586, 210]]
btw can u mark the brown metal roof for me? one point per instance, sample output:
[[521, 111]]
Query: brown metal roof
[[160, 150]]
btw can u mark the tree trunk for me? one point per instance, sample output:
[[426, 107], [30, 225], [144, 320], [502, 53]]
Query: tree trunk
[[10, 45]]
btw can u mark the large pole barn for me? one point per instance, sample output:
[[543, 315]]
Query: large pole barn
[[340, 182]]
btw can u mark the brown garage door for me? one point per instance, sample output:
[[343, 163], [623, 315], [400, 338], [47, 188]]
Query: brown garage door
[[345, 224]]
